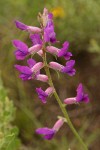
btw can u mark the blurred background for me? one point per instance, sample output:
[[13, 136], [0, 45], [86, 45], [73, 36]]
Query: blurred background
[[77, 21]]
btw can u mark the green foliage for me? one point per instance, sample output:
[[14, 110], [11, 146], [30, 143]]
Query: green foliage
[[8, 133]]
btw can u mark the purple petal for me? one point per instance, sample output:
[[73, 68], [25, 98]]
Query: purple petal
[[42, 95], [67, 55], [21, 25], [86, 98], [64, 51], [48, 133], [80, 93], [50, 15], [35, 38], [20, 45], [69, 68], [20, 54], [31, 62], [22, 49], [81, 96], [49, 34], [26, 72]]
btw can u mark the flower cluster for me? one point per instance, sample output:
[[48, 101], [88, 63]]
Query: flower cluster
[[42, 38]]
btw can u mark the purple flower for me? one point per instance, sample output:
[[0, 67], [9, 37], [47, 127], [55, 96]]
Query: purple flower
[[50, 132], [22, 26], [65, 69], [42, 95], [69, 68], [47, 132], [35, 38], [49, 34], [22, 49], [28, 73], [64, 51], [80, 97]]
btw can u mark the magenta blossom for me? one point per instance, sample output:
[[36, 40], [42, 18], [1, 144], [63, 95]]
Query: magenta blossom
[[22, 26], [50, 132], [64, 51], [30, 72], [69, 68], [22, 49], [80, 97], [44, 94], [26, 72], [49, 34], [65, 69]]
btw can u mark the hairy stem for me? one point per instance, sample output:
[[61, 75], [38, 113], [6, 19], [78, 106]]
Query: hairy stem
[[63, 109]]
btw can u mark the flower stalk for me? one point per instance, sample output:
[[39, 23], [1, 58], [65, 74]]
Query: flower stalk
[[63, 109]]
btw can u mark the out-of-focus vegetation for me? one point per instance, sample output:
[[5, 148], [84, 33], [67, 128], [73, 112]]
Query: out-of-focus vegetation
[[8, 133], [78, 22]]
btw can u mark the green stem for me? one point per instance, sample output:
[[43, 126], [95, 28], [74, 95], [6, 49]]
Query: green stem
[[63, 109]]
